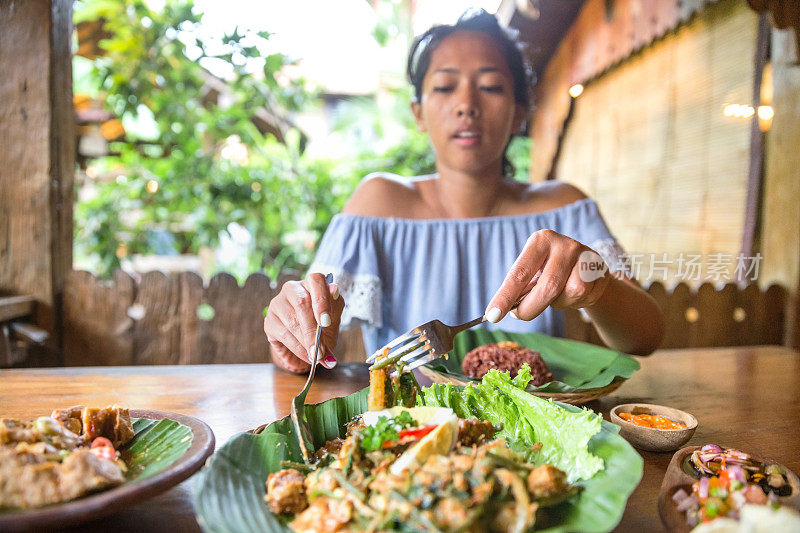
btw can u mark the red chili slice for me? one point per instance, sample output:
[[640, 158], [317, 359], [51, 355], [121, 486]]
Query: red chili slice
[[104, 452], [101, 442], [417, 433], [409, 435]]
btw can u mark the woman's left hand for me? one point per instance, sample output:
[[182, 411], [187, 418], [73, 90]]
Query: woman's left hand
[[553, 270]]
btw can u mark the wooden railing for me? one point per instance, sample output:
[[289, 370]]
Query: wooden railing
[[16, 314], [177, 319], [708, 316], [171, 319]]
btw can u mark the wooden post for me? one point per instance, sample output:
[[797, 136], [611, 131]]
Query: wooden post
[[37, 157], [62, 158], [756, 171], [780, 233]]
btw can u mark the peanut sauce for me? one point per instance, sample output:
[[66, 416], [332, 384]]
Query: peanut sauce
[[651, 421]]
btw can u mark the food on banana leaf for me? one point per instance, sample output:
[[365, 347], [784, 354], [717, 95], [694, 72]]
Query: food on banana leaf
[[434, 467], [421, 469], [62, 457], [229, 494]]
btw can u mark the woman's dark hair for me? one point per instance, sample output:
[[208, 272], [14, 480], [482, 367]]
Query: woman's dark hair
[[419, 56]]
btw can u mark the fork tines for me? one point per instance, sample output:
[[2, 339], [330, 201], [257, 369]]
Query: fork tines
[[412, 350], [401, 341], [415, 359]]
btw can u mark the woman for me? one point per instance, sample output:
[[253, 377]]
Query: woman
[[405, 251]]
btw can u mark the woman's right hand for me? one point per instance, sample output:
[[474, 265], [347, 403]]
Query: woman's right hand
[[292, 318]]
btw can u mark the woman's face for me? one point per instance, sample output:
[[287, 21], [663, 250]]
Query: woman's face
[[467, 104]]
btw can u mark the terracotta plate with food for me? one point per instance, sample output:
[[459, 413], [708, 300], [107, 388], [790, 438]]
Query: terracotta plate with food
[[79, 464], [397, 457], [714, 488], [561, 369]]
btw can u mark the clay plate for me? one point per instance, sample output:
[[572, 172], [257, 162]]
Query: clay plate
[[113, 500], [678, 477], [651, 439]]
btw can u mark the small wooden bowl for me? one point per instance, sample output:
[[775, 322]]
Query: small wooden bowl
[[652, 439]]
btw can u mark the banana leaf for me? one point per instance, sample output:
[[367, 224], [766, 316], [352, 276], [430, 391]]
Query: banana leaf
[[577, 366], [156, 445], [229, 493]]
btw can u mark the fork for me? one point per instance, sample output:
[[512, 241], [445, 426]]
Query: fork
[[298, 402], [422, 344]]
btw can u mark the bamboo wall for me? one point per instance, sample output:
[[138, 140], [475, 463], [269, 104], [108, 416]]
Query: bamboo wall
[[604, 34], [176, 319], [649, 140]]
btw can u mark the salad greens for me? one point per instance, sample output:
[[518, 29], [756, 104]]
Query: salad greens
[[386, 429], [526, 420]]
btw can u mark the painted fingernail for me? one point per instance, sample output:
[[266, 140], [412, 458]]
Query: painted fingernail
[[310, 354], [325, 320], [329, 361], [513, 313], [493, 314], [336, 293]]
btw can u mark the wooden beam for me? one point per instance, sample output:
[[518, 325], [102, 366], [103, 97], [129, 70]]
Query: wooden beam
[[62, 158], [29, 333], [755, 173], [6, 353], [792, 338], [24, 152], [780, 231], [13, 307]]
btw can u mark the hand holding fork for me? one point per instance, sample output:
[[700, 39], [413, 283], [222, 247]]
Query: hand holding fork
[[292, 319]]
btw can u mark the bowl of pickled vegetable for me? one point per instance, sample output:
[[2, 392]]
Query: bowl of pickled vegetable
[[654, 428]]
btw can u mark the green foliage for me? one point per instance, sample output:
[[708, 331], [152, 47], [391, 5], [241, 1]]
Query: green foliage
[[190, 167], [181, 180], [365, 119], [518, 152]]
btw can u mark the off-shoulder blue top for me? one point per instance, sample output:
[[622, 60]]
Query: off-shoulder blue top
[[398, 273]]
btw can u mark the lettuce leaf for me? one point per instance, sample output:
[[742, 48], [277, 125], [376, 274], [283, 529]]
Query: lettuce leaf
[[564, 436]]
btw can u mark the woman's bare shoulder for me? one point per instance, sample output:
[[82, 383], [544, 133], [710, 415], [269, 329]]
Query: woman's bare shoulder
[[383, 194], [551, 194]]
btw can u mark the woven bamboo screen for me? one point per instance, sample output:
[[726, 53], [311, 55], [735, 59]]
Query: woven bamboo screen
[[649, 139]]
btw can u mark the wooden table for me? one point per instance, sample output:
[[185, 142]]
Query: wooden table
[[744, 397]]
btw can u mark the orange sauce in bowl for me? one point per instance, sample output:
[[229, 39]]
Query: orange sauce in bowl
[[652, 421]]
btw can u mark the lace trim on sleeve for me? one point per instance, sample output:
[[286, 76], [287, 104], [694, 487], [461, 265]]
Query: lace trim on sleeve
[[362, 296], [613, 254]]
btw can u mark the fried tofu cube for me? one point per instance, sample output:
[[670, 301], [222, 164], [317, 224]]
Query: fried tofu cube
[[286, 493]]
